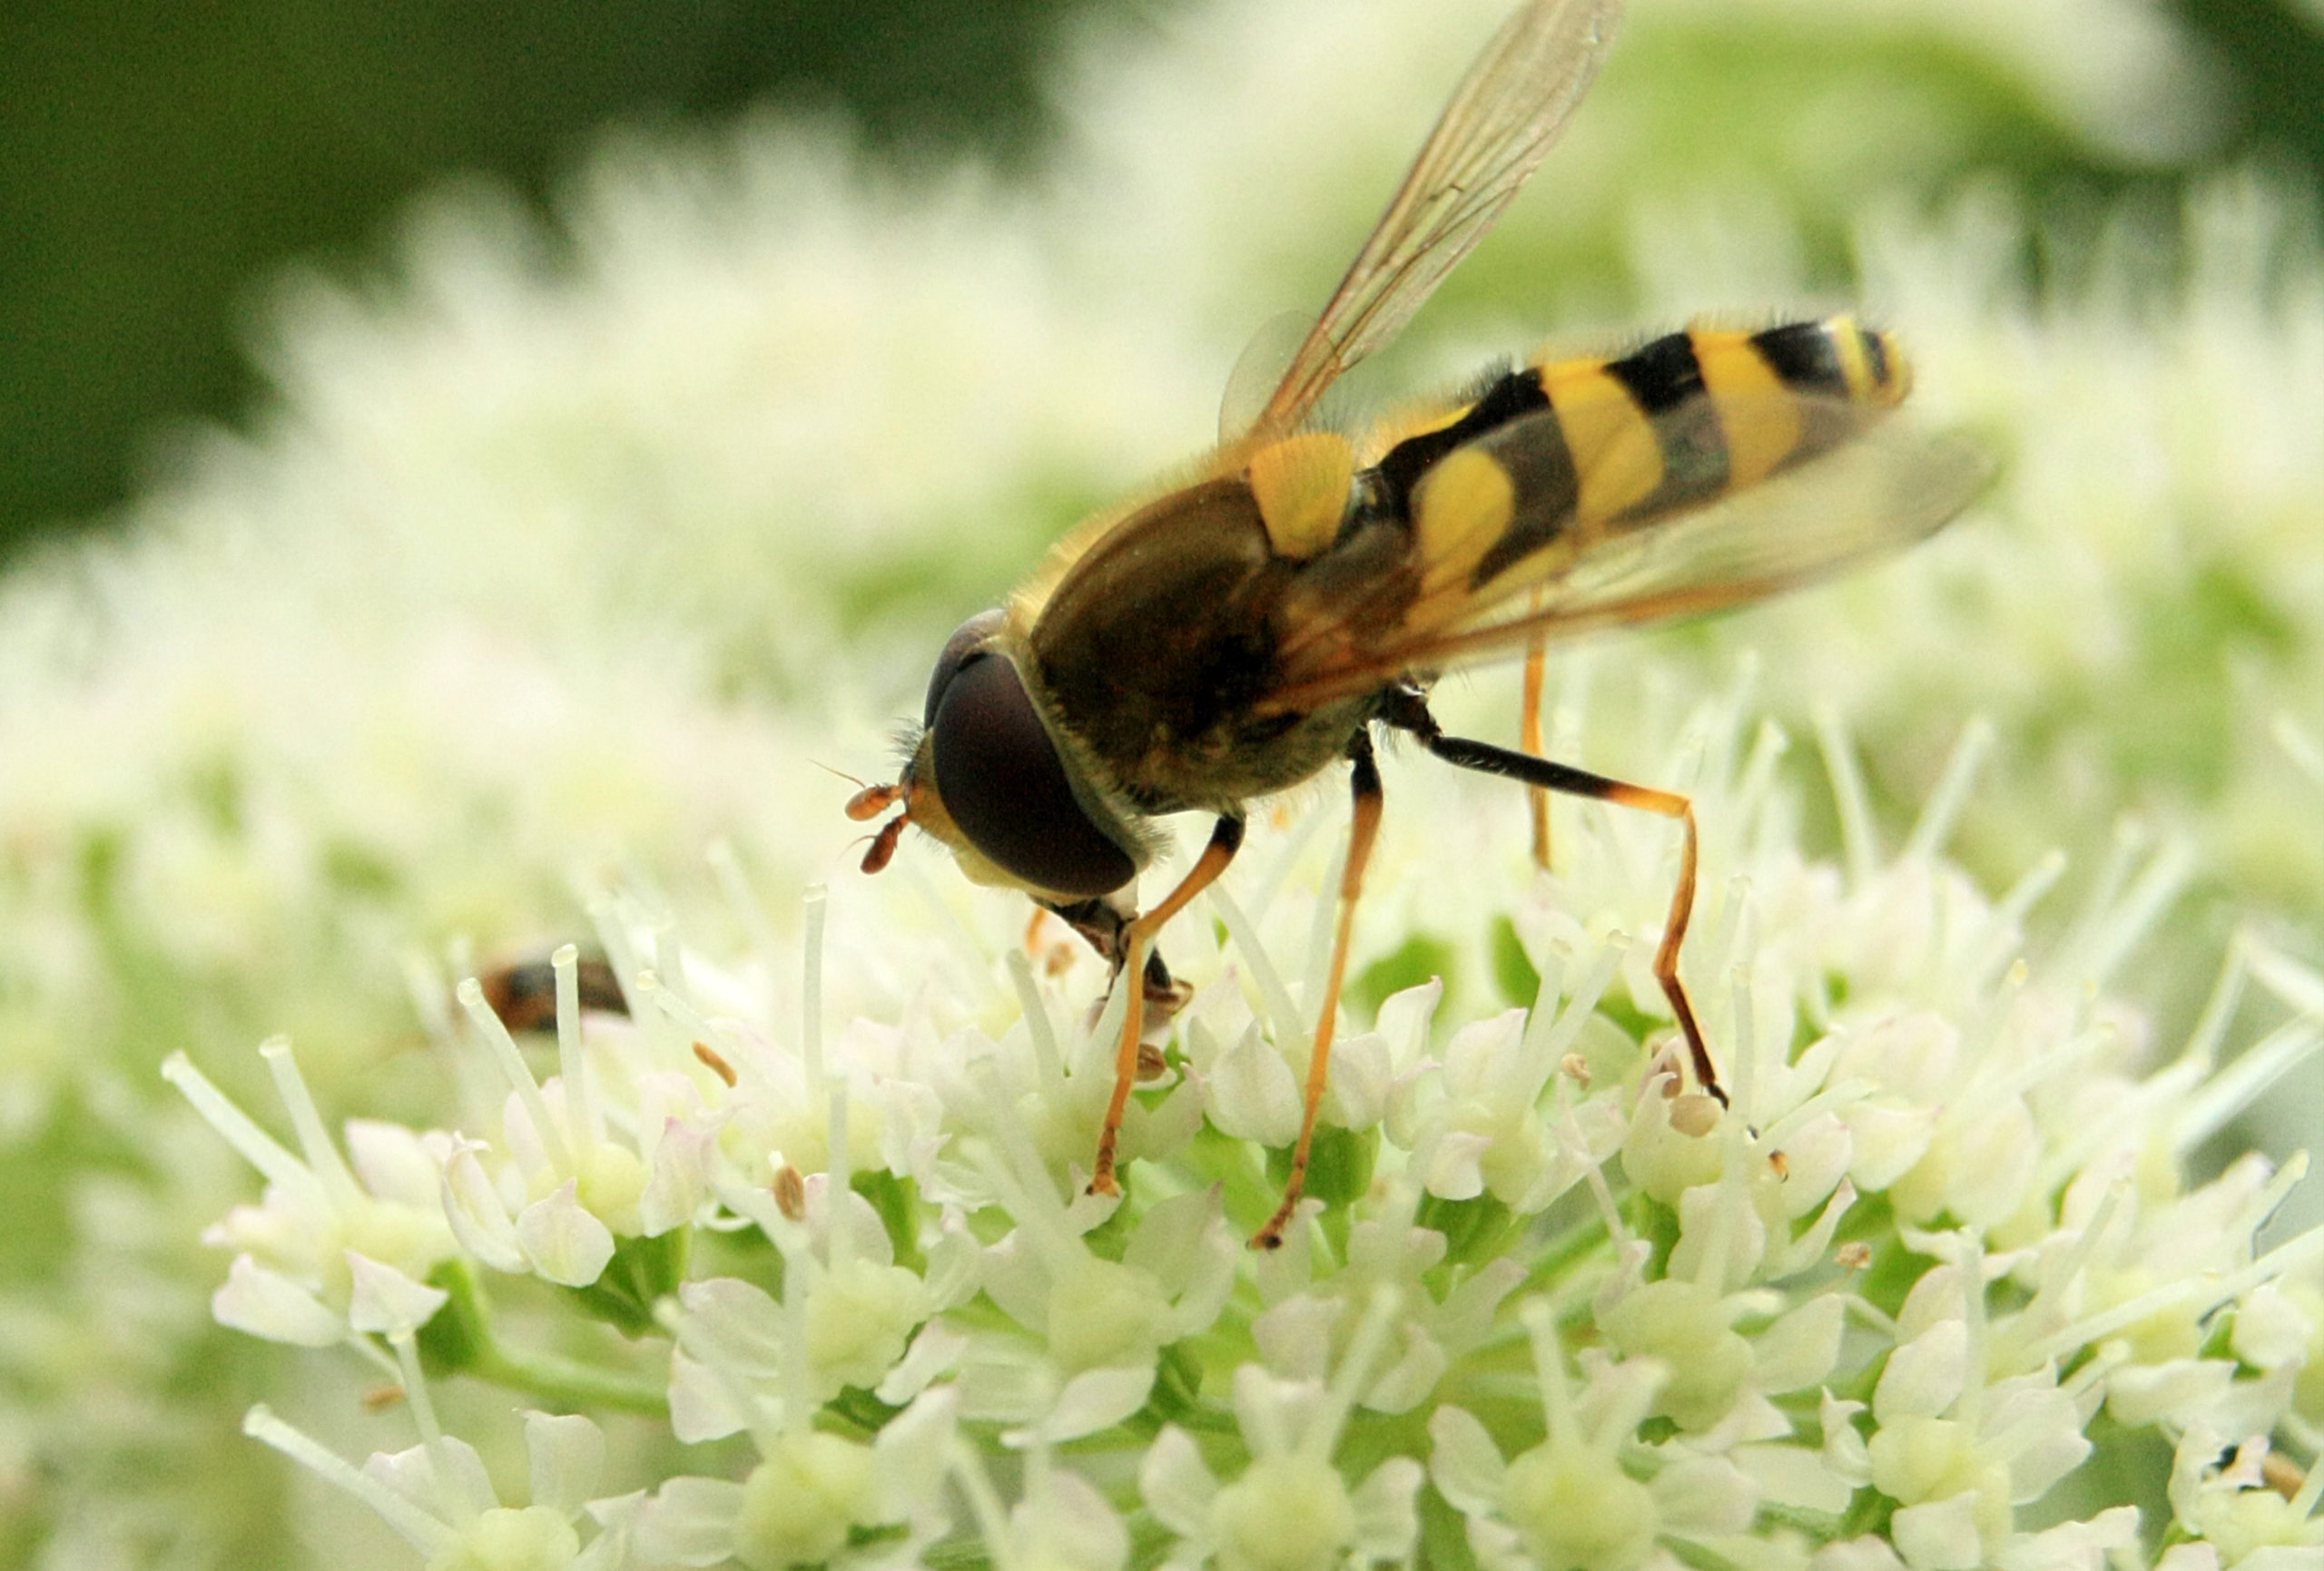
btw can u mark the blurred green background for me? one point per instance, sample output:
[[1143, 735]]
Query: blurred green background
[[158, 165]]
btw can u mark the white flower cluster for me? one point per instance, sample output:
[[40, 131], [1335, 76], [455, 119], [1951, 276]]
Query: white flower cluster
[[1545, 1306], [540, 567]]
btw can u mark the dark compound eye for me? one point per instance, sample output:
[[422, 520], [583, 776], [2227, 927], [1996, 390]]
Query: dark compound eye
[[967, 639], [1005, 786]]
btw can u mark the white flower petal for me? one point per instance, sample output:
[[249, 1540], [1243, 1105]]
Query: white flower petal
[[1402, 1021], [1251, 1093], [2195, 1556], [567, 1454], [2283, 1557], [412, 1474], [565, 1243], [2044, 1427], [1801, 1348], [266, 1303], [382, 1299], [1797, 1476], [1018, 1280], [1174, 1484], [1478, 1053], [1092, 1401], [1072, 1525], [689, 1522], [1845, 1451], [1941, 1536], [1294, 1337], [1816, 1156], [954, 1263], [392, 1162], [1705, 1496], [480, 1222], [1004, 1390], [702, 1402], [1463, 1463], [2143, 1394], [680, 1184], [1453, 1167], [2074, 1545], [1923, 1375], [2269, 1329], [1387, 1520], [1357, 1093], [1406, 1383], [1885, 1142], [937, 1347], [913, 1448], [732, 1322], [1168, 1238]]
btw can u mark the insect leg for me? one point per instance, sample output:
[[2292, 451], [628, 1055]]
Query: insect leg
[[1136, 944], [1101, 921], [1528, 738], [1406, 709], [1362, 829]]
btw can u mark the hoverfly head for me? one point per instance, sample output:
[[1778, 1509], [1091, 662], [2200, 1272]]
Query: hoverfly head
[[989, 779]]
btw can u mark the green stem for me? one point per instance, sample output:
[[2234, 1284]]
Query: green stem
[[567, 1383], [460, 1338]]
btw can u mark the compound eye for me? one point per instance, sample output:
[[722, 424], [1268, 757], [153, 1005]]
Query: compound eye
[[967, 639], [1002, 781]]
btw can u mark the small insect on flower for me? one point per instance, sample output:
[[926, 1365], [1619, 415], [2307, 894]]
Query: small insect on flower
[[1199, 648], [524, 993]]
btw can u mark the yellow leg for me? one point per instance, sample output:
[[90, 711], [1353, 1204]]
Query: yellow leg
[[1671, 805], [1408, 711], [1529, 739], [1138, 938], [1361, 830]]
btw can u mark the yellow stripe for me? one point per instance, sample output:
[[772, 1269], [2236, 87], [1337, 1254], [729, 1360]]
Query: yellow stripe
[[1402, 425], [1848, 348], [1301, 485], [1615, 454], [1461, 508], [1758, 416]]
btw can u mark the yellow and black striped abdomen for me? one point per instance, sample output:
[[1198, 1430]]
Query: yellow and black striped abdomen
[[1692, 414], [1592, 446]]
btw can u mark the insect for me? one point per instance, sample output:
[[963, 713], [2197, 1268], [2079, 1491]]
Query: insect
[[1201, 647]]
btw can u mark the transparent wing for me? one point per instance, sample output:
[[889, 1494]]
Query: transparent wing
[[1890, 486], [1502, 121]]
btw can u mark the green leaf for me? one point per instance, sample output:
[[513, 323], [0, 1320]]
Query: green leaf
[[459, 1335], [1410, 964], [897, 1200], [1339, 1164], [1512, 970], [642, 1272], [1473, 1228]]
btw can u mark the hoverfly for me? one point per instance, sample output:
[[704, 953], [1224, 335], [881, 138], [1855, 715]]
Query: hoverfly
[[1235, 634]]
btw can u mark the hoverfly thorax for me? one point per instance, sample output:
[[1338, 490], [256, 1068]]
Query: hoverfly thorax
[[989, 778]]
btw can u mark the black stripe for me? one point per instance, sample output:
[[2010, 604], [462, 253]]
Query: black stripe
[[1666, 380], [1509, 396], [1802, 355], [1662, 376], [1875, 356]]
